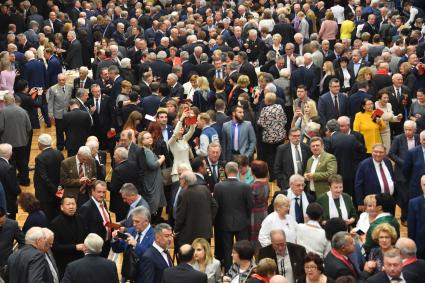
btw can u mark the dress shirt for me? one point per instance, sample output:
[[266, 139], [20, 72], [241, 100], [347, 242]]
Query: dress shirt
[[78, 166], [161, 251], [400, 277], [285, 267], [294, 158], [387, 175], [313, 169], [356, 67], [101, 211], [143, 234], [411, 143], [165, 134], [52, 269], [133, 205]]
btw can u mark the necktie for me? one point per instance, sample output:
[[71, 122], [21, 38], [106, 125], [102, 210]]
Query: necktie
[[336, 105], [170, 260], [384, 179], [81, 84], [97, 105], [398, 93], [298, 160], [299, 217], [236, 138], [214, 171], [52, 269], [106, 219], [80, 170], [138, 237], [63, 89]]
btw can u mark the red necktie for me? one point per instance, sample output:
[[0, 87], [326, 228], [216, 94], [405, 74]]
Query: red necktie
[[81, 84], [80, 171], [106, 217], [384, 179]]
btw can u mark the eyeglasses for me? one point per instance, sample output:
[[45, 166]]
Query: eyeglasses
[[307, 267]]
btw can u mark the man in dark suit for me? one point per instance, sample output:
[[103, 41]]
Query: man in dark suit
[[355, 100], [54, 67], [9, 232], [83, 80], [356, 64], [344, 128], [157, 258], [286, 161], [46, 176], [77, 127], [399, 149], [96, 216], [246, 68], [29, 263], [220, 115], [176, 89], [332, 104], [8, 180], [393, 270], [196, 210], [184, 273], [159, 68], [414, 167], [285, 29], [70, 232], [73, 59], [125, 171], [408, 252], [338, 264], [204, 67], [116, 79], [135, 153], [374, 175], [187, 67], [35, 72], [415, 220], [348, 153], [277, 252], [234, 201], [215, 167], [99, 157], [92, 267], [132, 197], [150, 103]]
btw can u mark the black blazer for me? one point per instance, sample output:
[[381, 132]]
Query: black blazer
[[335, 268], [46, 174], [125, 172], [203, 68], [209, 177], [91, 269], [234, 200], [160, 69], [77, 126], [101, 165], [76, 84], [152, 266], [9, 233], [105, 119], [283, 165], [10, 185], [417, 267], [69, 231], [382, 277], [249, 70], [183, 273], [287, 32], [92, 218], [398, 153], [125, 111], [296, 255]]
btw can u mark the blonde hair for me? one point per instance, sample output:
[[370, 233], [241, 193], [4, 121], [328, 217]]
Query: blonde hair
[[207, 249], [280, 200], [363, 72], [387, 228], [270, 98], [313, 109], [369, 199], [243, 81], [406, 67], [203, 83], [328, 67]]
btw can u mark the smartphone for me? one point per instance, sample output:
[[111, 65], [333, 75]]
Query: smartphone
[[360, 232], [122, 235]]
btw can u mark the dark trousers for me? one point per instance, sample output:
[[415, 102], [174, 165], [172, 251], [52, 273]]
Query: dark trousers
[[45, 113], [269, 154], [20, 161], [60, 134], [402, 198], [224, 244]]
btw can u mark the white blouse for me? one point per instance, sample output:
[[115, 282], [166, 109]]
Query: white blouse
[[273, 222], [312, 237]]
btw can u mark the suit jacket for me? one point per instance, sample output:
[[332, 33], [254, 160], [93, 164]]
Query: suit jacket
[[10, 185], [183, 273], [413, 169], [91, 269], [287, 32], [367, 182], [196, 210], [116, 89], [249, 70], [74, 59], [152, 266], [119, 245], [284, 164], [9, 233], [160, 69], [15, 126], [177, 91], [33, 262], [335, 268], [87, 84], [125, 172], [58, 100], [382, 277], [46, 174], [326, 167], [348, 152], [326, 107], [150, 104], [296, 255], [398, 153], [54, 68], [128, 222], [69, 177], [324, 202], [234, 200], [418, 268], [69, 231], [125, 111], [247, 139], [221, 118], [350, 68], [303, 76], [35, 74], [416, 222], [77, 126], [92, 218], [104, 119], [187, 68], [396, 102]]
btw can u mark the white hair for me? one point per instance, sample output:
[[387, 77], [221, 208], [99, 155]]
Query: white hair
[[299, 61], [84, 69], [126, 63], [161, 55], [93, 243], [6, 150], [33, 235], [84, 151], [45, 139], [410, 123], [29, 55]]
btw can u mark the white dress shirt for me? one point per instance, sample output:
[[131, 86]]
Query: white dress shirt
[[387, 176], [161, 251], [313, 169], [105, 220], [294, 158]]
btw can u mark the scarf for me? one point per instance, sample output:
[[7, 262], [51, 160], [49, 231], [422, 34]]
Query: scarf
[[304, 200], [333, 211]]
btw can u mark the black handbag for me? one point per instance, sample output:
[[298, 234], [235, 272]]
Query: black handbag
[[130, 264]]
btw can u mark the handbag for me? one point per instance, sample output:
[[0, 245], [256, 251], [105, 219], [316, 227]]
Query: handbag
[[166, 176], [130, 264]]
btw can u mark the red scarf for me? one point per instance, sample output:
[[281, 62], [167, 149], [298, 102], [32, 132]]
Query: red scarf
[[344, 260], [409, 260], [259, 277]]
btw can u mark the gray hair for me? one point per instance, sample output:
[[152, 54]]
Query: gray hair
[[410, 123], [393, 253], [29, 55], [296, 177], [92, 144], [270, 87], [231, 167], [84, 69], [143, 211], [233, 66], [339, 240], [299, 60], [93, 243], [161, 55], [122, 152], [332, 125], [406, 246], [33, 235], [203, 57], [84, 151], [6, 150], [161, 226], [129, 189], [126, 63], [45, 139], [343, 119], [184, 55], [80, 92], [422, 134], [277, 231], [189, 177], [173, 76], [48, 233]]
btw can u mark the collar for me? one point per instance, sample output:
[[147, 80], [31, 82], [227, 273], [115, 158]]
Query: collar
[[134, 203], [316, 158], [146, 230], [96, 202], [5, 159], [158, 248]]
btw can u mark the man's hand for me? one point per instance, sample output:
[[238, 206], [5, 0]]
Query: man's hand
[[80, 247], [370, 266], [131, 241], [361, 208], [83, 180]]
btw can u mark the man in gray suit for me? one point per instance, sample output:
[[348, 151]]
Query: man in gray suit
[[131, 196], [238, 136], [58, 98], [15, 129]]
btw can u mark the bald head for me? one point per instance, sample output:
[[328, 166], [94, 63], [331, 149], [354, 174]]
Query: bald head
[[407, 247], [278, 279]]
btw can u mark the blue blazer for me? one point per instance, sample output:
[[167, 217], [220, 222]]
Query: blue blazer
[[367, 182], [413, 169], [326, 107], [416, 222], [150, 104], [152, 265], [2, 198], [116, 89], [35, 74], [54, 68], [120, 245]]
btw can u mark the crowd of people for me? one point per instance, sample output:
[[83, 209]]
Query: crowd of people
[[203, 109]]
